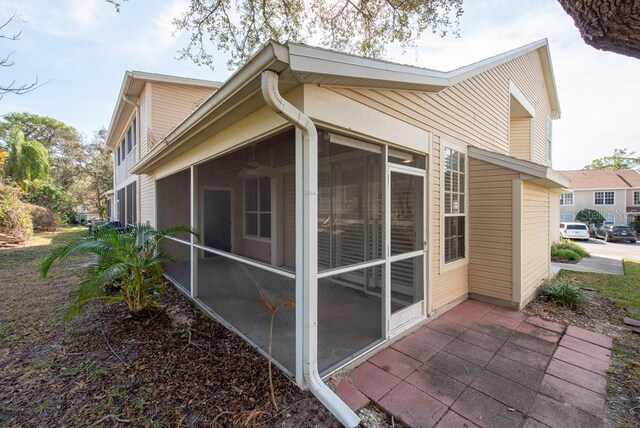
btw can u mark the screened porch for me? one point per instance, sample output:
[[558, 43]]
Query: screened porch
[[246, 207]]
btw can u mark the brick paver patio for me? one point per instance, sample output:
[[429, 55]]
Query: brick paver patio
[[483, 365]]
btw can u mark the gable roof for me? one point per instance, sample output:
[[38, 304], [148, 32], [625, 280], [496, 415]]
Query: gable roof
[[131, 88], [319, 65], [603, 179], [301, 64]]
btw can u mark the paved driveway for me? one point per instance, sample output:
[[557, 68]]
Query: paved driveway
[[612, 250]]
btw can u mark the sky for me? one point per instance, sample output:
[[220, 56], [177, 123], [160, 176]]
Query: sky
[[80, 50]]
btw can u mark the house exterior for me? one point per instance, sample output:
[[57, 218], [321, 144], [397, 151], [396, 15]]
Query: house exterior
[[149, 105], [613, 193], [370, 196]]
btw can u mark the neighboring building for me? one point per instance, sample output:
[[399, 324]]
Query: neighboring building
[[374, 196], [149, 105], [613, 193]]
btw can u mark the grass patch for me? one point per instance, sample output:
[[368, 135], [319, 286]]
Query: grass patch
[[624, 291]]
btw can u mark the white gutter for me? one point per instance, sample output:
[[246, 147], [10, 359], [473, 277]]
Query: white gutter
[[269, 84]]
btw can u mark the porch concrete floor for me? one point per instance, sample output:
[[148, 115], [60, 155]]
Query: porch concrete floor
[[348, 319], [483, 365]]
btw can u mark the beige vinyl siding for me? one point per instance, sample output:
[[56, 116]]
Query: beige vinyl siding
[[147, 198], [554, 215], [535, 238], [473, 112], [490, 230], [520, 137], [170, 104]]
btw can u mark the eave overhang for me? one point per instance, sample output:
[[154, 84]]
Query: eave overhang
[[532, 172]]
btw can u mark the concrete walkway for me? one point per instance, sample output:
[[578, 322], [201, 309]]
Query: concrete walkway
[[593, 264], [482, 365]]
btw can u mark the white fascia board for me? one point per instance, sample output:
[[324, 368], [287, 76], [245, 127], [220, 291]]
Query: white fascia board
[[166, 78], [307, 59], [117, 111], [534, 172]]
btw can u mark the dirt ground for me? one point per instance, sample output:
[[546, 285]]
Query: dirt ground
[[179, 368]]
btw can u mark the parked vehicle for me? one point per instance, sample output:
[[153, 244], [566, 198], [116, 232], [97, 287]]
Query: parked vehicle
[[574, 231], [609, 232]]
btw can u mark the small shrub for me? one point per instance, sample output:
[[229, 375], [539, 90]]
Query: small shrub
[[564, 291], [44, 220], [15, 216], [573, 246], [565, 254]]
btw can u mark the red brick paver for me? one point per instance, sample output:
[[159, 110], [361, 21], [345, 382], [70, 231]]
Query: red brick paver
[[481, 365]]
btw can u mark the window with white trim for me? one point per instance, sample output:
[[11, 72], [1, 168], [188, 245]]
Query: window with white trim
[[566, 218], [636, 197], [454, 205], [604, 198], [257, 207], [609, 218], [566, 199]]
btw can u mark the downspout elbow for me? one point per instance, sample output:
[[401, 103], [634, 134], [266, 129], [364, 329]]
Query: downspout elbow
[[273, 98]]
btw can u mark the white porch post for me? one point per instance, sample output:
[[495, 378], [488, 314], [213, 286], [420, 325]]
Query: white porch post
[[194, 223]]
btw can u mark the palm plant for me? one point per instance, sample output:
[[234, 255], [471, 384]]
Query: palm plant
[[127, 267]]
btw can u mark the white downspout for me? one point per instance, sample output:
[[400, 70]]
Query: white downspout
[[310, 227]]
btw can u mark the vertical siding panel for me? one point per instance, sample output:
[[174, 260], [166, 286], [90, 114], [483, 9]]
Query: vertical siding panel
[[535, 237]]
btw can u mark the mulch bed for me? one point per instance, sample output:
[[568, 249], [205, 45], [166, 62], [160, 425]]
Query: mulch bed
[[179, 368], [601, 315]]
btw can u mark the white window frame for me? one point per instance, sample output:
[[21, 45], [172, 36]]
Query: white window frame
[[609, 218], [444, 266], [563, 218], [635, 198], [563, 199], [258, 212], [604, 197]]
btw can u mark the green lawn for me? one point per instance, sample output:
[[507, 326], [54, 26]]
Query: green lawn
[[624, 291]]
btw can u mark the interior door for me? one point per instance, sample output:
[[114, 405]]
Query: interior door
[[406, 247], [217, 220]]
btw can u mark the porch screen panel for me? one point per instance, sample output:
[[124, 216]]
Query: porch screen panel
[[240, 294], [350, 202], [246, 202], [349, 320], [179, 267], [173, 206]]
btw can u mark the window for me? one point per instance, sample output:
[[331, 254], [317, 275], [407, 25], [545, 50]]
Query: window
[[604, 198], [566, 199], [131, 136], [609, 218], [636, 197], [566, 217], [454, 205], [257, 207]]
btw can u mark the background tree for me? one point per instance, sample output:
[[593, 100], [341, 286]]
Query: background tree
[[64, 144], [27, 160], [589, 216], [99, 171], [6, 61], [621, 159], [608, 25], [364, 27]]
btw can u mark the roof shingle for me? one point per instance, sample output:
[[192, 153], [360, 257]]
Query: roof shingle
[[603, 178]]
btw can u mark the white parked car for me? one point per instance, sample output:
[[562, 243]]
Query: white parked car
[[574, 231]]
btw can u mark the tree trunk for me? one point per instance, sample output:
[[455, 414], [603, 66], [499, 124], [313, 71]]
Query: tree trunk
[[610, 25]]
